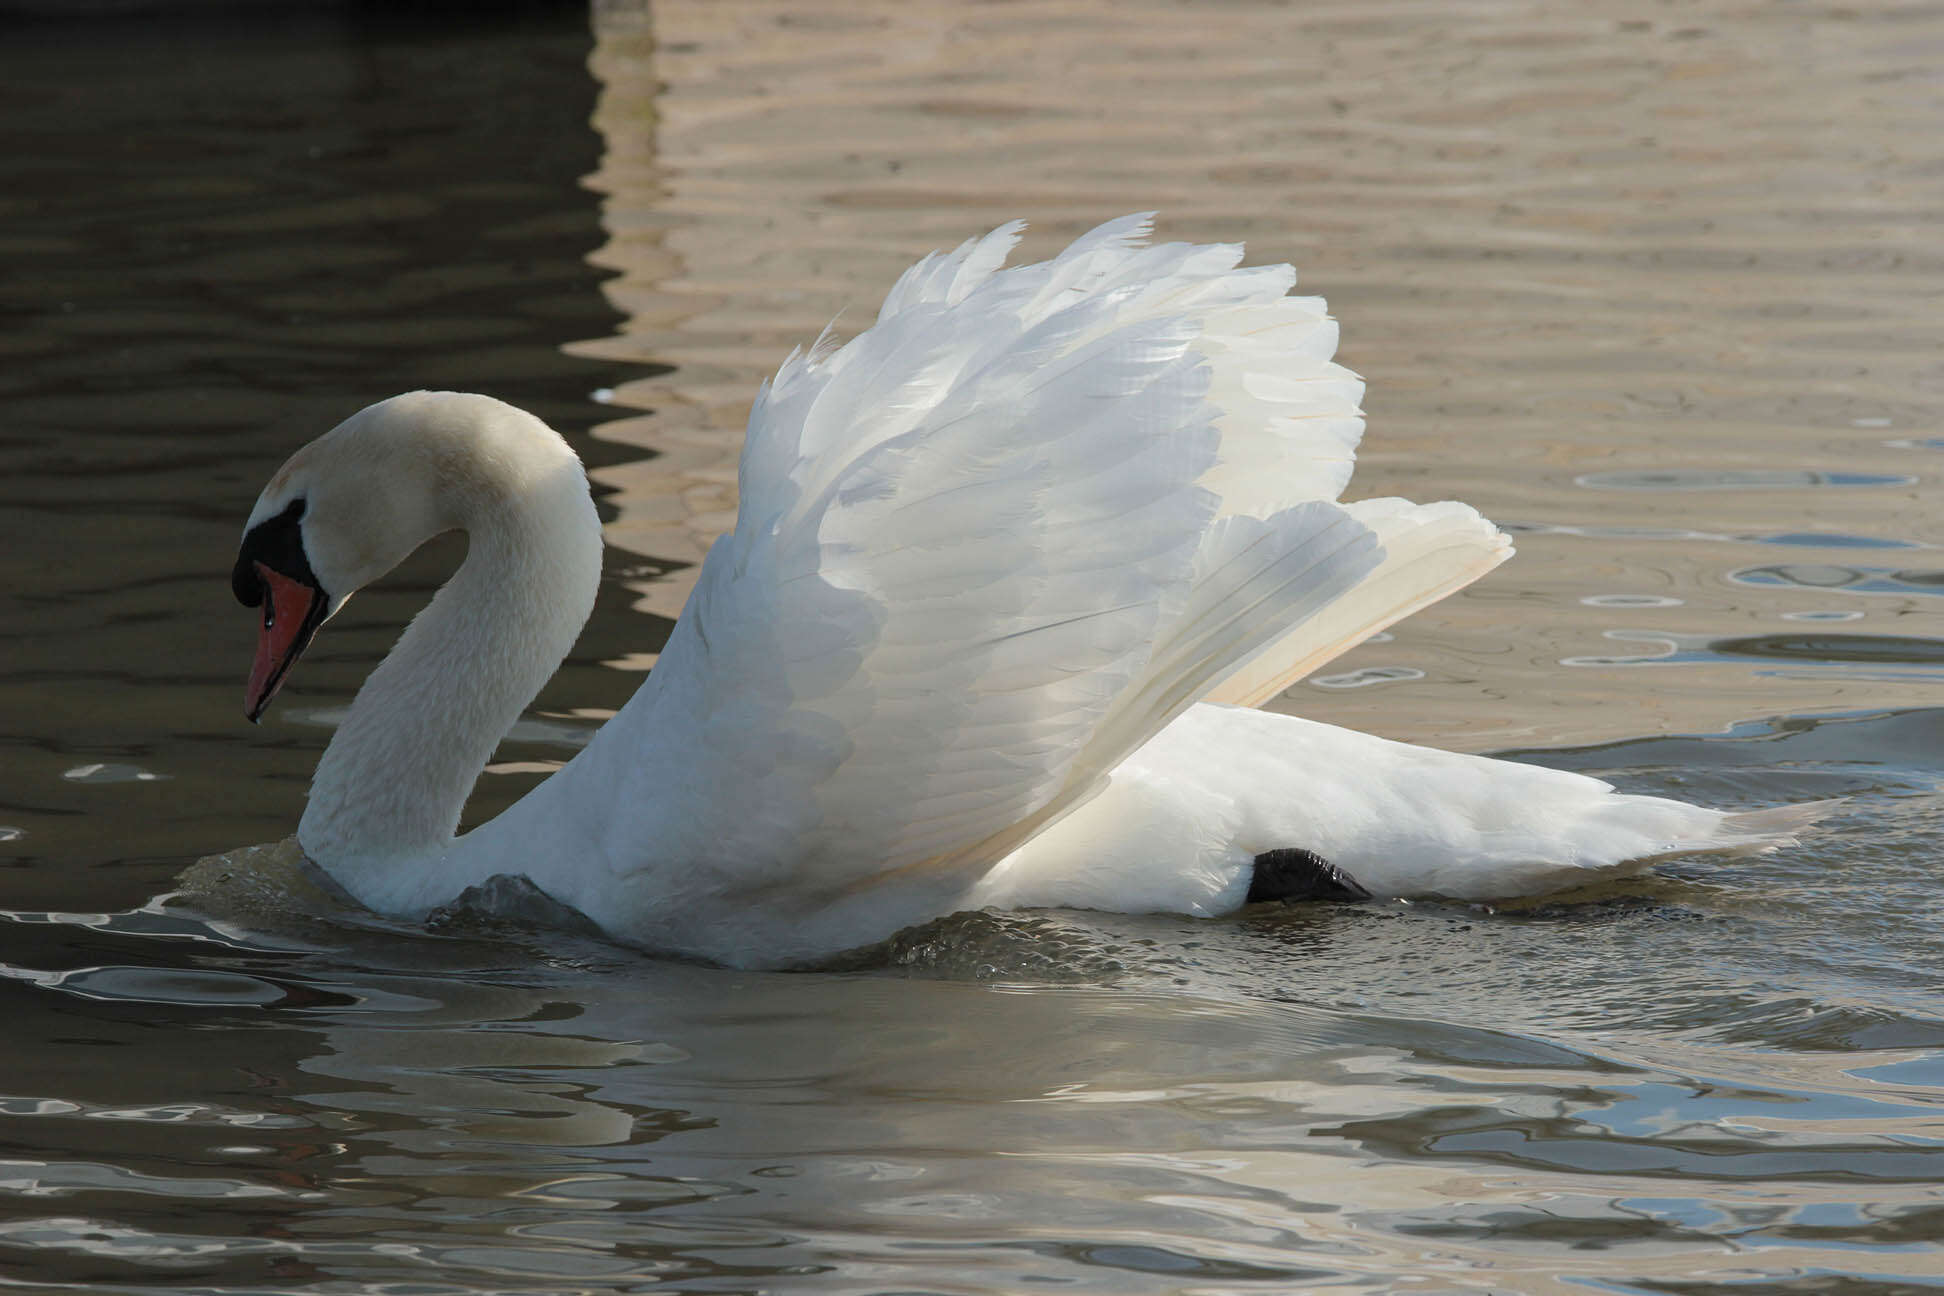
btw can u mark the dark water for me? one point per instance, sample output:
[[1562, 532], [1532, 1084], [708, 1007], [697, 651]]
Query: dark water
[[225, 234]]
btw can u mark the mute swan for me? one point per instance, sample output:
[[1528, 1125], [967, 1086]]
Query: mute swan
[[1011, 570]]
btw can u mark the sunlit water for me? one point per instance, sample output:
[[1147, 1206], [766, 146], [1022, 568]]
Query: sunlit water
[[1657, 288]]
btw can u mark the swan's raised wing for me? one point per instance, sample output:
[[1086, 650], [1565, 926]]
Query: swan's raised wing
[[984, 551]]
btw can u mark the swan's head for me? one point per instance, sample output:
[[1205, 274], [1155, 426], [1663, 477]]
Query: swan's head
[[354, 503]]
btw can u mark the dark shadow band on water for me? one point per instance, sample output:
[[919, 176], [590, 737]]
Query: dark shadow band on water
[[1715, 479], [1872, 649], [1791, 539], [233, 226], [1912, 657], [1842, 577]]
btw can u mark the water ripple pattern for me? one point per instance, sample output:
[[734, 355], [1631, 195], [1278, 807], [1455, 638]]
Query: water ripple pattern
[[1614, 275]]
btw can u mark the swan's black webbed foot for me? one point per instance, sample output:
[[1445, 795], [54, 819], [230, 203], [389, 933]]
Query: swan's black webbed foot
[[1292, 873]]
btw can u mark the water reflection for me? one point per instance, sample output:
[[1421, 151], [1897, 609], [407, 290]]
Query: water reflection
[[1831, 651], [1365, 677], [1848, 579], [1514, 277], [1227, 1103], [1630, 601], [1603, 1080]]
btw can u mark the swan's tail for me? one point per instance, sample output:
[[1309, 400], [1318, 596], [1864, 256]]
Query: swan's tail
[[1552, 835], [1707, 832], [1756, 832]]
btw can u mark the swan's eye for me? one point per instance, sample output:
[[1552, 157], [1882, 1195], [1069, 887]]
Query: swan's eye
[[269, 613], [278, 543]]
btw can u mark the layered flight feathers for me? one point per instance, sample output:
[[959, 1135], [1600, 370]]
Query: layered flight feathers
[[992, 545], [1429, 551]]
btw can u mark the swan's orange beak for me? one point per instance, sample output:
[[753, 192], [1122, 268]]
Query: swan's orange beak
[[292, 611]]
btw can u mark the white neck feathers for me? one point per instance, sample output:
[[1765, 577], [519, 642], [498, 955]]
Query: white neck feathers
[[388, 792]]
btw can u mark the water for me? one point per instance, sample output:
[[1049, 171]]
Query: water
[[1656, 288]]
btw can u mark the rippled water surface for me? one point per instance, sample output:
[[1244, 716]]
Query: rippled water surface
[[1655, 286]]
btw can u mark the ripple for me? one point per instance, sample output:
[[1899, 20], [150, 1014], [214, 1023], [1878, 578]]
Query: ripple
[[1672, 648], [1571, 1144], [1593, 532], [110, 773], [1869, 649], [990, 945], [1925, 1069], [61, 1179], [170, 1113], [1843, 578], [1793, 539], [1368, 676], [1715, 479], [1668, 648], [1591, 1222], [1178, 1264], [527, 729], [101, 1240], [1631, 601], [176, 986], [1831, 540]]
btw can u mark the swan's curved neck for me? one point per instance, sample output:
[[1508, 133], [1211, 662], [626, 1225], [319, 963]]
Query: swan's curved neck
[[388, 792]]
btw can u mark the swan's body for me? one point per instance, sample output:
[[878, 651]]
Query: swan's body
[[989, 555]]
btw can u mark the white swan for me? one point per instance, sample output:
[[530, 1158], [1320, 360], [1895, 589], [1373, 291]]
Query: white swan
[[1010, 569]]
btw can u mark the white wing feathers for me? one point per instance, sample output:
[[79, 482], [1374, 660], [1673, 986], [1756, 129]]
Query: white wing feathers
[[989, 547], [1429, 551], [1254, 578]]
